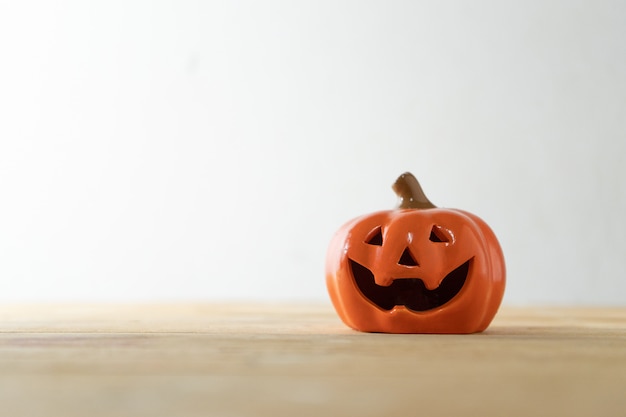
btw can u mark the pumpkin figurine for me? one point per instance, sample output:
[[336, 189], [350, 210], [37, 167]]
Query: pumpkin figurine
[[416, 269]]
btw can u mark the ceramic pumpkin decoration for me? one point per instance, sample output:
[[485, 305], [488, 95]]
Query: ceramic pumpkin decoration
[[416, 269]]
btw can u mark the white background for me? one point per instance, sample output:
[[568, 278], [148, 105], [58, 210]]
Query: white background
[[209, 150]]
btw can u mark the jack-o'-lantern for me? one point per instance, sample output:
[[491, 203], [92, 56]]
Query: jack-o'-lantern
[[416, 269]]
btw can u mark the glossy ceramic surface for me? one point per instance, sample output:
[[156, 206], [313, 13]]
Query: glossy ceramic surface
[[416, 269]]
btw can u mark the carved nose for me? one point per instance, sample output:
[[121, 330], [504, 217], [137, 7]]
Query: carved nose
[[407, 259]]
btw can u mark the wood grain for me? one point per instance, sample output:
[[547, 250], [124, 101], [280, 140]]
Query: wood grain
[[275, 360]]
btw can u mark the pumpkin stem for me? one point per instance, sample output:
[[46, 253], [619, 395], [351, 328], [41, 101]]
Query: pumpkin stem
[[410, 192]]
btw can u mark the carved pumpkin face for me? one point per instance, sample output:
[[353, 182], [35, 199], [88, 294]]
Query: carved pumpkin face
[[416, 270]]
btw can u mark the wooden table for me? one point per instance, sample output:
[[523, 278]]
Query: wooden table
[[300, 360]]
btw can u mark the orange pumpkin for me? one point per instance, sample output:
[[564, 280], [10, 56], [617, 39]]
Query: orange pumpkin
[[416, 269]]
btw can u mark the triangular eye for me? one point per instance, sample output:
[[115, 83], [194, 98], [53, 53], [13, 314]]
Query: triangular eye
[[375, 237], [439, 234], [407, 259]]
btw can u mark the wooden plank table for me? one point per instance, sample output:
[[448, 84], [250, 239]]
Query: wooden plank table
[[300, 360]]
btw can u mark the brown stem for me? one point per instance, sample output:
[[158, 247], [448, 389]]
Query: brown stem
[[410, 192]]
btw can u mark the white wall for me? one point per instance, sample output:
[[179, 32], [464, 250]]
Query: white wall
[[198, 150]]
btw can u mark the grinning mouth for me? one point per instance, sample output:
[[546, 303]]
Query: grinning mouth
[[409, 292]]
